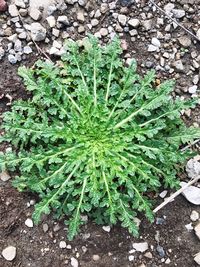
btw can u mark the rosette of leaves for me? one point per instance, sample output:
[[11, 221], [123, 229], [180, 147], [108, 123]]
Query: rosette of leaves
[[95, 137]]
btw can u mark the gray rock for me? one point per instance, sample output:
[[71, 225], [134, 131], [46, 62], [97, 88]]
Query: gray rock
[[35, 14], [194, 216], [9, 253], [45, 227], [141, 247], [38, 32], [20, 3], [185, 41], [27, 50], [13, 11], [192, 90], [178, 65], [178, 13], [63, 19], [198, 34], [122, 19], [2, 52], [155, 42], [94, 22], [133, 32], [193, 168], [18, 45], [103, 32], [51, 21], [74, 262], [95, 257], [29, 223], [169, 7], [70, 2], [147, 24], [152, 48], [197, 258], [62, 244], [160, 251], [23, 12], [22, 35], [106, 228], [134, 23], [80, 16], [82, 2], [191, 193], [197, 230], [12, 59], [4, 176]]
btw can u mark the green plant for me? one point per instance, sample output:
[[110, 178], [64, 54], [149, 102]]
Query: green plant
[[95, 137]]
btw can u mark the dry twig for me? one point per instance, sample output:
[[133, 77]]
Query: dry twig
[[174, 20], [164, 203]]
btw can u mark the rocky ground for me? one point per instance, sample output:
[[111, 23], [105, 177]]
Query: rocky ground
[[33, 29]]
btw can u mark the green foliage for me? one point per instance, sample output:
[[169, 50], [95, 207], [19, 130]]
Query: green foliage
[[95, 137]]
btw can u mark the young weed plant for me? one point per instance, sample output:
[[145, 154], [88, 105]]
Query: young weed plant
[[95, 137]]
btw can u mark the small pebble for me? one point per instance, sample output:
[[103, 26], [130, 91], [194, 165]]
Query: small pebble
[[160, 251], [9, 253], [95, 257], [106, 228], [29, 223], [194, 216], [62, 244], [74, 262]]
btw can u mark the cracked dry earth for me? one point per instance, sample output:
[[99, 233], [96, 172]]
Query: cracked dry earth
[[154, 42]]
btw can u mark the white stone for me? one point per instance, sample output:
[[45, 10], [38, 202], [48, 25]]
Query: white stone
[[152, 48], [51, 21], [189, 227], [103, 32], [20, 3], [106, 228], [197, 230], [155, 42], [62, 244], [45, 227], [134, 23], [35, 14], [18, 46], [192, 194], [178, 13], [141, 247], [38, 32], [168, 261], [74, 262], [193, 168], [163, 194], [2, 52], [194, 216], [197, 258], [198, 34], [63, 19], [168, 7], [80, 17], [9, 253], [13, 11], [22, 35], [192, 89], [94, 22], [12, 59], [96, 257], [131, 258], [4, 176], [133, 32], [29, 223], [27, 50], [45, 4], [122, 19]]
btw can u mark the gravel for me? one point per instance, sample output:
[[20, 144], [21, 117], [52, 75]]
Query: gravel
[[9, 253]]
